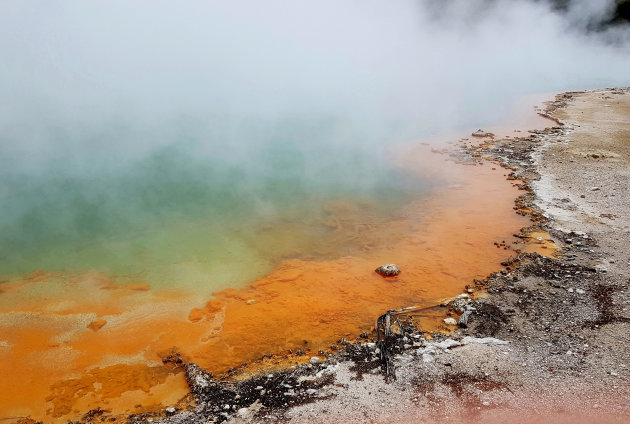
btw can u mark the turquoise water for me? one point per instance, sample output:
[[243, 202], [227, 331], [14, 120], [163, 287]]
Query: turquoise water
[[200, 145], [188, 215]]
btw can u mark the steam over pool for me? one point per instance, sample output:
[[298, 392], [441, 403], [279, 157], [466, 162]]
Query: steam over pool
[[151, 139], [198, 175]]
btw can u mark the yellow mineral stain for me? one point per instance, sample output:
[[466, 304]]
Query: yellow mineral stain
[[541, 242]]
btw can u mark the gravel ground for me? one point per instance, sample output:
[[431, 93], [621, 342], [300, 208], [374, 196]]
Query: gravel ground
[[548, 342]]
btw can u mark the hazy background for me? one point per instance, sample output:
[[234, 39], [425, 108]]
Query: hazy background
[[153, 135]]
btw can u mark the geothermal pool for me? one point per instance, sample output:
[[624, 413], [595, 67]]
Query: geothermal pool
[[100, 283], [221, 179]]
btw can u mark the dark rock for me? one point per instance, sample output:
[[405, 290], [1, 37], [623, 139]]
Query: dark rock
[[463, 319], [199, 380], [459, 303], [388, 270]]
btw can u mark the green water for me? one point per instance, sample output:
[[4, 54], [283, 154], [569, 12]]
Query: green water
[[181, 216]]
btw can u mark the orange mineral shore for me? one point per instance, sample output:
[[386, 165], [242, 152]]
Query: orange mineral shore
[[74, 342]]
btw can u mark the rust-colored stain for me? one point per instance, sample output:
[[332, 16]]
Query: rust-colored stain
[[69, 344]]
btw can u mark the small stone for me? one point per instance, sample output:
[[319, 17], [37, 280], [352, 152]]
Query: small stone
[[463, 319], [170, 411], [594, 188], [259, 387], [482, 133], [311, 391], [388, 270], [251, 301], [459, 303], [96, 325], [315, 360], [450, 321], [198, 379], [570, 289], [579, 291], [486, 403]]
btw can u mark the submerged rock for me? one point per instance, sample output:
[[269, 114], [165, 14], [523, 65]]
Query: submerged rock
[[388, 270]]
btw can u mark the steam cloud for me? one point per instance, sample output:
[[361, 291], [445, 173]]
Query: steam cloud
[[117, 101]]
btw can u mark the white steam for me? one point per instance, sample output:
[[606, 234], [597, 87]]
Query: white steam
[[129, 76]]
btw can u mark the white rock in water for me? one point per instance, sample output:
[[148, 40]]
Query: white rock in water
[[315, 360], [171, 410], [388, 270], [450, 321], [483, 340]]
